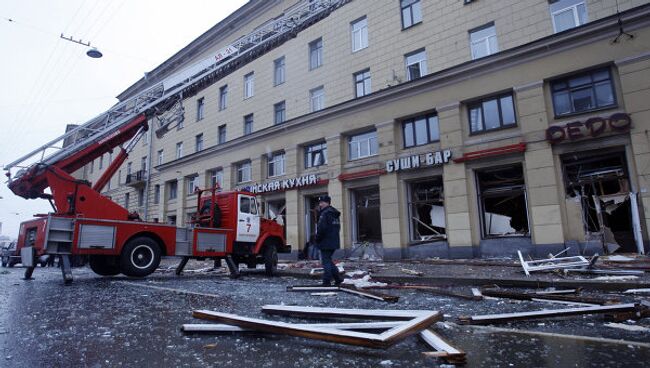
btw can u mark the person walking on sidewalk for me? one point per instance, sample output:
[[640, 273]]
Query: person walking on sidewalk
[[327, 239]]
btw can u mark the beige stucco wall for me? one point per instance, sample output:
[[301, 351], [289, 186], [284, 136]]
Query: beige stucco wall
[[443, 34]]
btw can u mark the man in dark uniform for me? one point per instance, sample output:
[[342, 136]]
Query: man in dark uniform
[[327, 239]]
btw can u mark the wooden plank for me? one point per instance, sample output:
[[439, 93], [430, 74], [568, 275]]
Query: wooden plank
[[555, 292], [323, 334], [507, 317], [412, 327], [312, 288], [443, 348], [555, 297], [430, 289], [561, 336], [299, 311], [552, 301], [361, 326], [370, 294]]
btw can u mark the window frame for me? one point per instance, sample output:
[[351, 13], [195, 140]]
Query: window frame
[[312, 149], [486, 40], [411, 202], [198, 142], [314, 97], [179, 150], [410, 6], [574, 12], [200, 109], [249, 85], [427, 118], [362, 82], [192, 183], [360, 31], [420, 63], [279, 71], [275, 160], [156, 194], [216, 177], [282, 111], [223, 97], [173, 190], [479, 102], [316, 47], [240, 167], [492, 192], [222, 136], [249, 120], [370, 146], [161, 157], [590, 72], [141, 197]]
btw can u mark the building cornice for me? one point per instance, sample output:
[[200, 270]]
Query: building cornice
[[586, 34]]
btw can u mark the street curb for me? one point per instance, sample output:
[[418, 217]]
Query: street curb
[[512, 282]]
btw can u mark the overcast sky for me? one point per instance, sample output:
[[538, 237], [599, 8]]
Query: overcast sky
[[48, 82]]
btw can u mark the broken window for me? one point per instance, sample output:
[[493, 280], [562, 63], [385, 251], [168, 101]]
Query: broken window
[[367, 216], [427, 210], [597, 188], [502, 195]]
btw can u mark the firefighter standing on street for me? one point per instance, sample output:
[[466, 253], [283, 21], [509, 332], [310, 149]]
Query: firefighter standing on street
[[327, 239]]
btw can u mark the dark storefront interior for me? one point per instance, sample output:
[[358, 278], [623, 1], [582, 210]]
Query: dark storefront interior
[[502, 195], [599, 184], [367, 219], [426, 210]]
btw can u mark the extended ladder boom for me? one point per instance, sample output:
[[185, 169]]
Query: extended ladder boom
[[159, 98]]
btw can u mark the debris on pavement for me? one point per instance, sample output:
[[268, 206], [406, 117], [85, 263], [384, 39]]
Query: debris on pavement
[[552, 263], [547, 313], [404, 324], [363, 283], [497, 293], [346, 289], [637, 291], [411, 272], [623, 326], [414, 322]]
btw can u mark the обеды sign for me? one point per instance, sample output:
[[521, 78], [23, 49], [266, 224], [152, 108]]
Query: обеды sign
[[617, 123]]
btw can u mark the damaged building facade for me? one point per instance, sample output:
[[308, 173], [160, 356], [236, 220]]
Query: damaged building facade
[[439, 128]]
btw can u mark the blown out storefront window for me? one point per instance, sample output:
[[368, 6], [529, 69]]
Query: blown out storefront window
[[426, 210], [367, 215], [502, 197]]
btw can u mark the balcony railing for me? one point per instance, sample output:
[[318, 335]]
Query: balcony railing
[[136, 178]]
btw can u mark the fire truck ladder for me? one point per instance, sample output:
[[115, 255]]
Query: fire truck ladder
[[168, 94]]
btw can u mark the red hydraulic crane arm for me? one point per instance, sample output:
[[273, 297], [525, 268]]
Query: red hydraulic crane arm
[[33, 183]]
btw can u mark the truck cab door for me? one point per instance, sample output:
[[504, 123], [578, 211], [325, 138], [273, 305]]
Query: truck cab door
[[248, 219]]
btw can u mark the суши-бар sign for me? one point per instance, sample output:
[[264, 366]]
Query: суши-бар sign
[[416, 161], [619, 122]]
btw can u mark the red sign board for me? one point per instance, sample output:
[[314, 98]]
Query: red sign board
[[619, 122]]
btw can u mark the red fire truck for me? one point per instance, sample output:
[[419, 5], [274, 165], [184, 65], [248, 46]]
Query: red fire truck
[[227, 225]]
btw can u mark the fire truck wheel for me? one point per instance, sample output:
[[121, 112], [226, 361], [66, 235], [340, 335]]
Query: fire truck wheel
[[104, 265], [140, 257], [270, 259]]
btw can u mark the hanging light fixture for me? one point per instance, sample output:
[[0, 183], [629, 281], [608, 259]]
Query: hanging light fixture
[[94, 53]]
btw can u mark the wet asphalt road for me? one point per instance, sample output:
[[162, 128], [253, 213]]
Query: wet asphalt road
[[121, 322]]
